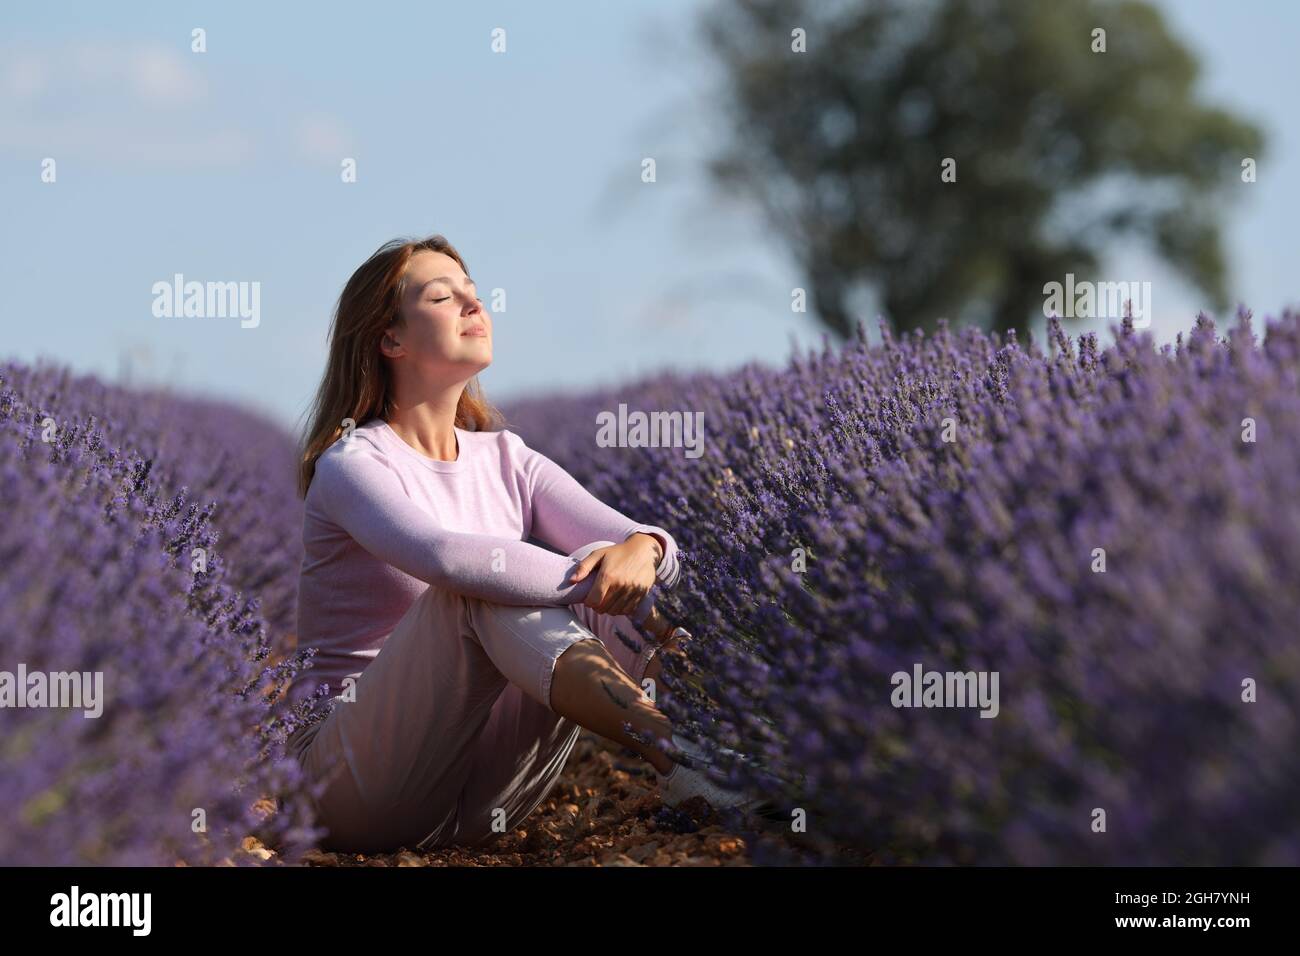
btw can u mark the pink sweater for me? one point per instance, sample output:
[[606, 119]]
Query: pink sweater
[[383, 522]]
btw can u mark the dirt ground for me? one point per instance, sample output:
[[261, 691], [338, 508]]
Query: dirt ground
[[605, 811]]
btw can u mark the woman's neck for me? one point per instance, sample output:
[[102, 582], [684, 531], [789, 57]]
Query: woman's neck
[[428, 425]]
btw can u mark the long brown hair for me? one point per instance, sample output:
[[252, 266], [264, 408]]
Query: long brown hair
[[357, 382]]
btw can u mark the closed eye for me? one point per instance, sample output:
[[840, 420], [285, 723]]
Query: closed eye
[[469, 283]]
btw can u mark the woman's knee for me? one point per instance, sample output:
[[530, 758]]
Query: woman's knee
[[524, 641]]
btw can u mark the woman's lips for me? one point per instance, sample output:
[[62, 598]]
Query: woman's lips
[[477, 330]]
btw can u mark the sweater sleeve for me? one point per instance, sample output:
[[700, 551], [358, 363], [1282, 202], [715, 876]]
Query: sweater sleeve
[[566, 515], [364, 497]]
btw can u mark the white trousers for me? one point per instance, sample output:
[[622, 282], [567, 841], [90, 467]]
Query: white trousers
[[451, 729]]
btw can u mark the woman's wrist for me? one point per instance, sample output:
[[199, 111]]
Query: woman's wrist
[[656, 546]]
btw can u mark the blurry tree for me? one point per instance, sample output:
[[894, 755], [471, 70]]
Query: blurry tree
[[1059, 148]]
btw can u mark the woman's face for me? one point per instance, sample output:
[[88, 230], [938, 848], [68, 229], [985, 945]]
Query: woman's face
[[444, 323]]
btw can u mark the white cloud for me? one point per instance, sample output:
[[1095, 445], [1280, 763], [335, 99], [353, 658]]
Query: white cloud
[[161, 77], [144, 74], [147, 105], [23, 77], [320, 136], [129, 140]]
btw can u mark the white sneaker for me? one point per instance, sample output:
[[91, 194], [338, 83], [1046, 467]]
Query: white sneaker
[[681, 783]]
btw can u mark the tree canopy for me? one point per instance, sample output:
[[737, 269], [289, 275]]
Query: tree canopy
[[1055, 148]]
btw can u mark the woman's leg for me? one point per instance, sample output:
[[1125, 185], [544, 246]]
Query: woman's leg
[[596, 683], [453, 720], [396, 757], [596, 689]]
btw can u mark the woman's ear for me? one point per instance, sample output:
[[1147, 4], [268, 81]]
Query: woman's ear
[[389, 347]]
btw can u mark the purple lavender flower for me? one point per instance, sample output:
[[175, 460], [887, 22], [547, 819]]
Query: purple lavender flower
[[951, 500]]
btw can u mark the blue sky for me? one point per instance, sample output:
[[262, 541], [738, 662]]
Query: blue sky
[[225, 166]]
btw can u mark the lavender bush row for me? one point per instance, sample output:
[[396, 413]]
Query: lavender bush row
[[231, 463], [112, 564], [1114, 532]]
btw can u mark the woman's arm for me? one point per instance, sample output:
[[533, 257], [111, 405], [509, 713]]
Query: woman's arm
[[362, 495], [566, 515]]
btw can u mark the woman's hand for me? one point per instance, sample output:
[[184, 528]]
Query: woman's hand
[[624, 574]]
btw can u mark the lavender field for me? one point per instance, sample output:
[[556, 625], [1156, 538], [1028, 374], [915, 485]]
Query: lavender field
[[154, 540], [1114, 531]]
